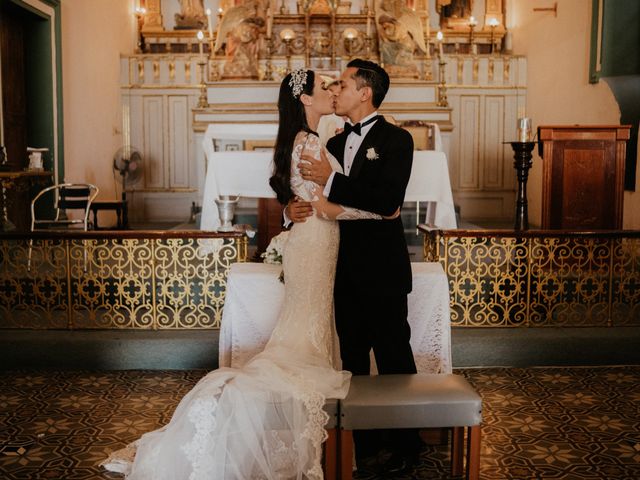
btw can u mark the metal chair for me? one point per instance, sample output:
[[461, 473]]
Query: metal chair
[[68, 196]]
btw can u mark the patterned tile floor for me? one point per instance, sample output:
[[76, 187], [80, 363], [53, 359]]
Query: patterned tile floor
[[546, 423]]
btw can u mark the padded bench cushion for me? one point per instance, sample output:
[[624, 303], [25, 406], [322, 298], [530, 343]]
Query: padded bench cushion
[[410, 401]]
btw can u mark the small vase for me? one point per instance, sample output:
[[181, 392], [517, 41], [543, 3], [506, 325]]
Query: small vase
[[226, 210]]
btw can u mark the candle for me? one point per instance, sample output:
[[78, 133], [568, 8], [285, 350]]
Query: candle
[[218, 39], [440, 38], [200, 38], [210, 24], [368, 25], [269, 22], [524, 129]]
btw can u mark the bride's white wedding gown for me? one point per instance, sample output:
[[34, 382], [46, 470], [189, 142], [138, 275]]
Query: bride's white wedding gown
[[265, 420]]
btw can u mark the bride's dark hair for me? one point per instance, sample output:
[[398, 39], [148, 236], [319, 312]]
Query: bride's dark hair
[[292, 119]]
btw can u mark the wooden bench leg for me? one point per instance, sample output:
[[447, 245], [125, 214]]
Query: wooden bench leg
[[457, 451], [330, 455], [473, 453], [346, 454]]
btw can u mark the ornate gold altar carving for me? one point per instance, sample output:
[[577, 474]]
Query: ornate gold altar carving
[[400, 34], [240, 31], [152, 17], [541, 279], [191, 16], [131, 281], [247, 43]]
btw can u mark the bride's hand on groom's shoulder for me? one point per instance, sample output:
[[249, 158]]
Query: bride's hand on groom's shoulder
[[298, 210]]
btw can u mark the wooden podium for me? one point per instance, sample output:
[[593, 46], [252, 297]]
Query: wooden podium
[[583, 176]]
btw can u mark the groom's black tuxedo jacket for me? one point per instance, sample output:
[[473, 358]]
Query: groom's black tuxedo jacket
[[373, 256]]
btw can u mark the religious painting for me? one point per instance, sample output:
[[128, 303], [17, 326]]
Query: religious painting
[[192, 15], [400, 34], [454, 14]]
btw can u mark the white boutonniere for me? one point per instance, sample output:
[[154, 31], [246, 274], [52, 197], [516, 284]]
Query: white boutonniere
[[372, 154]]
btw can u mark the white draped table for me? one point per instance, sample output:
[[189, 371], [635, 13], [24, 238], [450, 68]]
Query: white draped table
[[429, 182], [254, 296], [246, 173]]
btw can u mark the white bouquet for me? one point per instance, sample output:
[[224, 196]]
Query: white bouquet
[[275, 250]]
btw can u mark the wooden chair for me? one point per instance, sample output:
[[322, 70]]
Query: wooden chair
[[68, 196]]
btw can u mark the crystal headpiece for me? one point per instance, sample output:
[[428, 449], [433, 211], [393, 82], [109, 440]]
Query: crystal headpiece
[[298, 81]]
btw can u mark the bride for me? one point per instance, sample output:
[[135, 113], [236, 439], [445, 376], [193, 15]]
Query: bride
[[266, 420]]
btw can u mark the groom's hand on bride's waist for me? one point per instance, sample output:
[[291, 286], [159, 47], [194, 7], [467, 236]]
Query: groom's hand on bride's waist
[[298, 210]]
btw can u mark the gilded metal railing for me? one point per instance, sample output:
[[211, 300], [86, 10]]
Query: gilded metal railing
[[133, 280], [549, 278]]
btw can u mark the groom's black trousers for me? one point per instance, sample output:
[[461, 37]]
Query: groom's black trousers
[[369, 321]]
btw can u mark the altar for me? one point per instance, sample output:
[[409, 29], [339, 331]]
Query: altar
[[245, 173], [255, 295]]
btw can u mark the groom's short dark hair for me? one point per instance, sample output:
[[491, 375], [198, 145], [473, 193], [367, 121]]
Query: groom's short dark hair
[[372, 75]]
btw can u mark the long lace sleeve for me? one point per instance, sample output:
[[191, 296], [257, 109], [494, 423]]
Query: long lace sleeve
[[310, 191]]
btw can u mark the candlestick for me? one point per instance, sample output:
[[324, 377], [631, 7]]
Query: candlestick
[[200, 36], [522, 163], [493, 23], [140, 14], [210, 24], [472, 25], [287, 35]]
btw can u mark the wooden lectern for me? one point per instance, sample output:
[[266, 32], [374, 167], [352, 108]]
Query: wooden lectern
[[583, 176]]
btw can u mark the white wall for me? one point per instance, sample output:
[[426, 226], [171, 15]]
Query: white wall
[[94, 34], [559, 92]]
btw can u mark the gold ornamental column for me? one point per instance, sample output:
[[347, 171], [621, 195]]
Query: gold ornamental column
[[153, 17]]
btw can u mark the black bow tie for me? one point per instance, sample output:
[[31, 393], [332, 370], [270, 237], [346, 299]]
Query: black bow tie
[[357, 128]]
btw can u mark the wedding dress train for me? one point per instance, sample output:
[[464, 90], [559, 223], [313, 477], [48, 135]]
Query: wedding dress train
[[265, 420]]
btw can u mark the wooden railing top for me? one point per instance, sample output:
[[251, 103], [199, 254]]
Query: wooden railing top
[[531, 233], [118, 234]]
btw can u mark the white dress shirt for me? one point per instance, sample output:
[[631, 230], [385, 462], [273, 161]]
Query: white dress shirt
[[353, 143]]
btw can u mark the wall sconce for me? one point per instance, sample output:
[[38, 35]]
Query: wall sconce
[[493, 23], [352, 41], [140, 13], [287, 35]]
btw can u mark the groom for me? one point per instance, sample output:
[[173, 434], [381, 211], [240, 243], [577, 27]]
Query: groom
[[373, 274]]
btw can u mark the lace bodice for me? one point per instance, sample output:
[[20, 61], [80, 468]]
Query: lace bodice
[[307, 190]]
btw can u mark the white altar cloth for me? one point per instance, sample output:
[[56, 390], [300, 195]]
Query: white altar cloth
[[246, 173], [254, 296], [429, 182]]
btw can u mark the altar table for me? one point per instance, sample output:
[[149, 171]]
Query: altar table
[[246, 173], [254, 296]]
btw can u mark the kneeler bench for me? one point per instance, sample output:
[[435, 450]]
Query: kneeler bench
[[413, 401], [330, 446]]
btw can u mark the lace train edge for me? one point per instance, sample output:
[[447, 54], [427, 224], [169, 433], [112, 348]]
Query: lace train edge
[[121, 460]]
